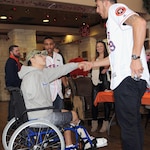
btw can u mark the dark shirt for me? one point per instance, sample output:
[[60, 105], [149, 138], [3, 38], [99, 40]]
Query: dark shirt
[[103, 77], [11, 73]]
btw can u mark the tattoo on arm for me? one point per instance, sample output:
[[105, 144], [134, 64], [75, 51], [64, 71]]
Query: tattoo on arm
[[131, 19]]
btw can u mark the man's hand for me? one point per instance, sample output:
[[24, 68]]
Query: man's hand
[[85, 65], [136, 68]]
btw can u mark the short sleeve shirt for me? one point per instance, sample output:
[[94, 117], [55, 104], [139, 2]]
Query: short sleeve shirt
[[120, 41]]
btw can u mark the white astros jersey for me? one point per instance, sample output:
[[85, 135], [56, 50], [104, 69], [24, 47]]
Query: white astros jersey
[[55, 86], [120, 41]]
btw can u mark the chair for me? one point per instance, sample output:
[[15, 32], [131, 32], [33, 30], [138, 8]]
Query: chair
[[81, 88]]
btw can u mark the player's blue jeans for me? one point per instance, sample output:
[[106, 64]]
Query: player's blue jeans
[[128, 97]]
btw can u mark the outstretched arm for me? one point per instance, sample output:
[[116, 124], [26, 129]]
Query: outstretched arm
[[89, 65]]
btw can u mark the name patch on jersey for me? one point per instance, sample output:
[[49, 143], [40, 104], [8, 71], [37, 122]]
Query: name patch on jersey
[[120, 11]]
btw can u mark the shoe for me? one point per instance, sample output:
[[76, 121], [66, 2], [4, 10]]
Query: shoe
[[71, 147], [101, 142], [104, 127], [96, 143], [94, 125]]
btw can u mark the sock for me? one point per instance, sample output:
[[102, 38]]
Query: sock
[[68, 146], [78, 123], [83, 133], [71, 147], [73, 125]]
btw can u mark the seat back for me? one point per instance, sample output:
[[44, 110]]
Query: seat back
[[72, 86], [82, 100], [83, 86], [19, 105]]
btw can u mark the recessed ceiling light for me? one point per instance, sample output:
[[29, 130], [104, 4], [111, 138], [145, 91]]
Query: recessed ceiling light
[[45, 20], [3, 17], [83, 23]]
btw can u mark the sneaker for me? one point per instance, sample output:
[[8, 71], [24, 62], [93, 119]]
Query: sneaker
[[101, 142], [71, 147], [96, 143]]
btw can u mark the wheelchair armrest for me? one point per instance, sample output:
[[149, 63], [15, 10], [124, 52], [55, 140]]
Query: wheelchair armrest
[[42, 108], [37, 109], [24, 114], [12, 88]]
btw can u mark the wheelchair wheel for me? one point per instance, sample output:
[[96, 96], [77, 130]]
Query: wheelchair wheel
[[9, 129], [37, 135]]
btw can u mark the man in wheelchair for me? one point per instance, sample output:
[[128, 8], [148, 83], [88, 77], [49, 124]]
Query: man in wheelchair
[[35, 88]]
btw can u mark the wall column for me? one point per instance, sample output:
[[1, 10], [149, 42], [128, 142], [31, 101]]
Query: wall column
[[26, 40]]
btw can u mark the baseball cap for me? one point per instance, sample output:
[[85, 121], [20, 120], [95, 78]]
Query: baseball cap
[[32, 54]]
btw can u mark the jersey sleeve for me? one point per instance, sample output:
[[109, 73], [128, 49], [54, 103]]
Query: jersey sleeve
[[120, 13]]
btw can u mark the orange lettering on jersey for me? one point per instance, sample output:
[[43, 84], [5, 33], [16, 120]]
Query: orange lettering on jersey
[[120, 11]]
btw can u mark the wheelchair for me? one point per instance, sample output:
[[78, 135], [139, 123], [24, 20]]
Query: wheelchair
[[21, 133]]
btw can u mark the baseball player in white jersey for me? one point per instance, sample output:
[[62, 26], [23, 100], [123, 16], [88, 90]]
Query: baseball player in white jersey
[[120, 56], [126, 32]]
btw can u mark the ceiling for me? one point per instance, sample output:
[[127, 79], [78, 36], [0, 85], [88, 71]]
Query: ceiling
[[32, 12]]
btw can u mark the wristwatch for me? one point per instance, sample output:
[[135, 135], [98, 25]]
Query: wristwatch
[[134, 57]]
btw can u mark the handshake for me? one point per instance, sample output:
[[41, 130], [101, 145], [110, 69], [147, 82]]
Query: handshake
[[85, 65]]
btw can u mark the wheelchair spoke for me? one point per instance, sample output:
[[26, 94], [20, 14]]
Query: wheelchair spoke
[[37, 138]]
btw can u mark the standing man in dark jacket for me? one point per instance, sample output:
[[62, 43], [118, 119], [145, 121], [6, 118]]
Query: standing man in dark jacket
[[11, 74]]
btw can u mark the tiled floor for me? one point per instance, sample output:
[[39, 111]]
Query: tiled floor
[[114, 142]]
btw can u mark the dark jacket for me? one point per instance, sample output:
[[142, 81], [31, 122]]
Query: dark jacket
[[11, 73]]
